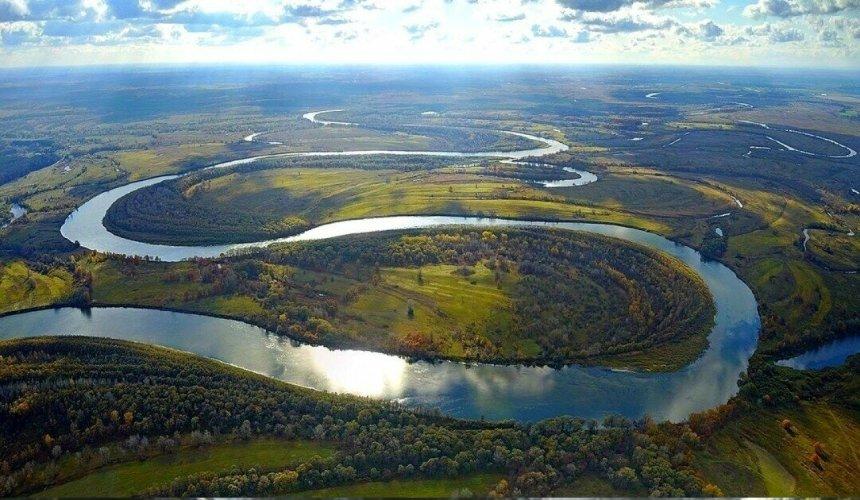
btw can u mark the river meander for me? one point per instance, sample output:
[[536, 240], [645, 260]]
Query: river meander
[[459, 389]]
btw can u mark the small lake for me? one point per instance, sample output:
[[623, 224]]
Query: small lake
[[832, 354], [16, 211]]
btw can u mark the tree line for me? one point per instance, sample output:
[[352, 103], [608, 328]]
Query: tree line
[[63, 398]]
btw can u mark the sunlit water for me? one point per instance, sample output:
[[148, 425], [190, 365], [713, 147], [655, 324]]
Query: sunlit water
[[479, 390], [462, 390]]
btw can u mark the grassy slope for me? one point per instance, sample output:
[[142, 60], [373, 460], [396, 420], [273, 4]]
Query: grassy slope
[[135, 477], [478, 484], [147, 287], [838, 251], [22, 287], [590, 485], [807, 297], [753, 455], [443, 302], [660, 196]]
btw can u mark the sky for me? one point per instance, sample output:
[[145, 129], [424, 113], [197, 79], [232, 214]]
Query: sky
[[790, 33]]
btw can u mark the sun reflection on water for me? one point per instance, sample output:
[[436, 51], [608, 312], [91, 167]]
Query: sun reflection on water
[[360, 372]]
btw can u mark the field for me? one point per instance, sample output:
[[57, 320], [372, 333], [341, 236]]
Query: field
[[591, 485], [835, 251], [22, 287], [442, 302], [648, 194], [137, 477]]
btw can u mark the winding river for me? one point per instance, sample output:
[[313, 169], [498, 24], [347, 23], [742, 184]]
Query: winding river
[[463, 390]]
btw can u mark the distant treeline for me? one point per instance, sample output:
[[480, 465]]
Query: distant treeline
[[21, 157]]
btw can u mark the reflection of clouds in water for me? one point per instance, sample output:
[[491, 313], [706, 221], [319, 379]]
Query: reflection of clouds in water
[[497, 392], [714, 373], [521, 381], [362, 373]]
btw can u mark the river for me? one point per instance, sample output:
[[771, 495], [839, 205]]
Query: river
[[462, 390], [831, 354]]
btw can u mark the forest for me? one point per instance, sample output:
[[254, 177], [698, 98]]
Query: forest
[[73, 405], [693, 163], [550, 296], [79, 403]]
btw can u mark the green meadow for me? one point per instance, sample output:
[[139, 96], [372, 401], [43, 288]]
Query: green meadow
[[136, 477]]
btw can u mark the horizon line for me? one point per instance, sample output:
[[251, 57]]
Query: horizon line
[[396, 64]]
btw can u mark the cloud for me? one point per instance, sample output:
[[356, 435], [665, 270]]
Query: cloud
[[791, 8], [595, 5], [548, 32], [616, 30], [332, 21], [417, 31], [621, 22], [13, 9], [305, 10], [705, 30], [580, 37], [616, 5], [510, 18], [776, 33], [539, 31], [38, 10], [18, 33], [836, 31]]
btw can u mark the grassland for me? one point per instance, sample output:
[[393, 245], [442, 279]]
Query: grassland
[[223, 207], [135, 478], [591, 485], [649, 194], [476, 484], [755, 455], [22, 287], [443, 302], [834, 251]]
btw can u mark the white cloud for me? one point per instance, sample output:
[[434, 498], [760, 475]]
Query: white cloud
[[791, 8], [664, 31]]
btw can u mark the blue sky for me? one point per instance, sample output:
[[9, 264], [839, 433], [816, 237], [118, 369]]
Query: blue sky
[[821, 33]]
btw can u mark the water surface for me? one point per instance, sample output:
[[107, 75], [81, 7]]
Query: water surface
[[831, 354], [462, 390]]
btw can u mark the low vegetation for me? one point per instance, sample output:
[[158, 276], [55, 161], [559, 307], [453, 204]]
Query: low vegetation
[[27, 285], [258, 204], [514, 295], [787, 433], [137, 471], [462, 487]]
